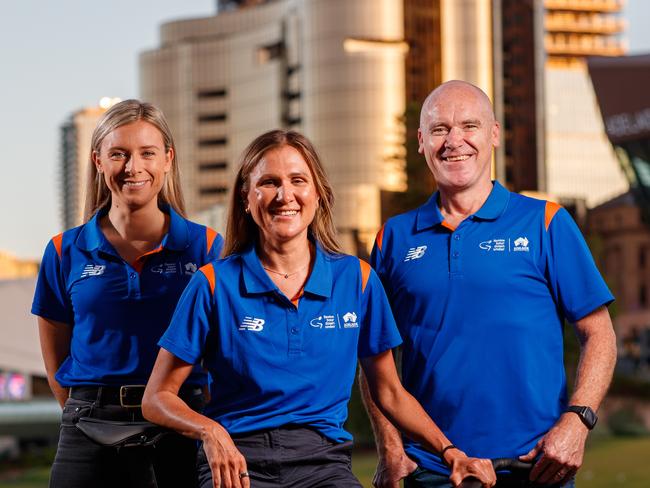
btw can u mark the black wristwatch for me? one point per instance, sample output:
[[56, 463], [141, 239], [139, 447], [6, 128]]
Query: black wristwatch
[[586, 414]]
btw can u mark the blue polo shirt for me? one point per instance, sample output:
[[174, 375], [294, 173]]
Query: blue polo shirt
[[481, 310], [117, 311], [274, 362]]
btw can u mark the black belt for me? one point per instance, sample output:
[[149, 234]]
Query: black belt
[[128, 396]]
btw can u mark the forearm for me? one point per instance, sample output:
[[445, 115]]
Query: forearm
[[387, 437], [169, 410], [55, 347], [60, 393], [597, 359], [404, 411], [398, 406]]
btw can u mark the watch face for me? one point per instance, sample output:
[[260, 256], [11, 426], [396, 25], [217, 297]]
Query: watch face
[[590, 417]]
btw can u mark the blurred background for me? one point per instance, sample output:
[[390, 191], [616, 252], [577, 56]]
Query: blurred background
[[570, 83]]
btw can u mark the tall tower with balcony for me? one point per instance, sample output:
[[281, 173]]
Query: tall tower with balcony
[[580, 163]]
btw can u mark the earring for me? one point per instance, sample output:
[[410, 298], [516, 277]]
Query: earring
[[247, 210]]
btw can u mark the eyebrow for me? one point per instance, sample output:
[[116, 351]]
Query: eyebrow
[[274, 175], [438, 123], [150, 146]]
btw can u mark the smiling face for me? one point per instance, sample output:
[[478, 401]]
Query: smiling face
[[134, 163], [282, 198], [457, 134]]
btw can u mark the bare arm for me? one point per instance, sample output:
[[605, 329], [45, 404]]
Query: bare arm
[[55, 346], [402, 410], [162, 405], [394, 465], [562, 448]]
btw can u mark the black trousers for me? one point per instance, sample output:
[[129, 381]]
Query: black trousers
[[291, 457], [81, 463]]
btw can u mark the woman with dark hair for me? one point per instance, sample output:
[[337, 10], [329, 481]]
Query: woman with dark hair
[[279, 324], [106, 292]]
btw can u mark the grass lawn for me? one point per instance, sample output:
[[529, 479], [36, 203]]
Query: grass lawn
[[609, 462]]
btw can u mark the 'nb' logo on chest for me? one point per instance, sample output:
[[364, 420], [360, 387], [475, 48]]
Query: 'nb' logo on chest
[[252, 323], [93, 270], [415, 253]]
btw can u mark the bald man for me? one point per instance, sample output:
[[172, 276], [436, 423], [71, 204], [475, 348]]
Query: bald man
[[481, 281]]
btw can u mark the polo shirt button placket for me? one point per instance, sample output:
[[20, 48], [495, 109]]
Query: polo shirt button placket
[[454, 251], [295, 338], [134, 283]]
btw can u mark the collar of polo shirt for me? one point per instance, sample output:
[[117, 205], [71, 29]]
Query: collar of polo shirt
[[429, 214], [92, 238]]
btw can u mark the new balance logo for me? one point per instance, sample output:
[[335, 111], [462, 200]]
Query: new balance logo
[[251, 323], [93, 270], [415, 253]]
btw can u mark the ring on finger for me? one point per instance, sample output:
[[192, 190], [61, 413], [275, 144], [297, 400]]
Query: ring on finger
[[244, 474]]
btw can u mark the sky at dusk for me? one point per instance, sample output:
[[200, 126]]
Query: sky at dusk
[[60, 56]]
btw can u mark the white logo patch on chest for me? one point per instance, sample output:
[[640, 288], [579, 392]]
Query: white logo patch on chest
[[252, 324], [93, 270], [520, 244], [415, 253]]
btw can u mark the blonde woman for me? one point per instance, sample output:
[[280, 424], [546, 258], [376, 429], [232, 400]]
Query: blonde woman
[[105, 294]]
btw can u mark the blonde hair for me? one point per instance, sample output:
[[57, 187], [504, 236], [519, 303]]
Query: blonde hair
[[241, 230], [97, 193]]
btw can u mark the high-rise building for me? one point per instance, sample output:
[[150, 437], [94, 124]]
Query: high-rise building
[[580, 162], [529, 56], [333, 70], [76, 132]]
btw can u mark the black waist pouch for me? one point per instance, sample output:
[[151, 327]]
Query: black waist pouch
[[115, 433]]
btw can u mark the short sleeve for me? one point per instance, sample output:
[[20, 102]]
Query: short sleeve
[[376, 257], [378, 329], [214, 251], [187, 333], [51, 299], [576, 283]]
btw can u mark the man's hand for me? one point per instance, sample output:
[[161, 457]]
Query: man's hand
[[562, 450], [392, 468]]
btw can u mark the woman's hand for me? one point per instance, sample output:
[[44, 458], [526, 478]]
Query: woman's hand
[[227, 464], [465, 467]]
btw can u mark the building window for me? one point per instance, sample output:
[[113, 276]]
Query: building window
[[291, 95], [214, 93], [213, 141], [269, 52], [212, 117], [213, 165], [213, 190]]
